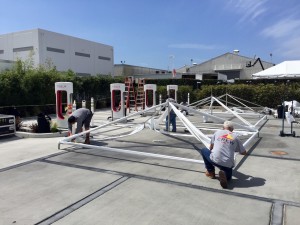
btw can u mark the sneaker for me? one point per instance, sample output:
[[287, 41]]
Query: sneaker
[[223, 179], [211, 174]]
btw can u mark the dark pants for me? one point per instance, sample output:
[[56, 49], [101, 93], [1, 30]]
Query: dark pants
[[172, 121], [210, 165], [87, 121]]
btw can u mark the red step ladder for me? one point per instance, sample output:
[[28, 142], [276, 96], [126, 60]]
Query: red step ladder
[[130, 101], [140, 96]]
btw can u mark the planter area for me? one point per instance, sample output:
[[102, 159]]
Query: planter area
[[24, 134], [27, 132]]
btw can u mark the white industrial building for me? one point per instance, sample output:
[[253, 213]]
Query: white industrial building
[[232, 65], [65, 52], [224, 67]]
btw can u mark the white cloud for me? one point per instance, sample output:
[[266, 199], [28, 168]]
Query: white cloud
[[286, 34], [290, 48], [193, 46], [249, 9], [283, 28]]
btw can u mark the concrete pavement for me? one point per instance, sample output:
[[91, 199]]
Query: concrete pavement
[[43, 185]]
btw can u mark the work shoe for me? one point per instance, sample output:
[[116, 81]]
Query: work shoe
[[211, 174], [223, 179]]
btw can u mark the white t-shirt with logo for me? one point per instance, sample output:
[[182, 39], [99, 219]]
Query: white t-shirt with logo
[[225, 144]]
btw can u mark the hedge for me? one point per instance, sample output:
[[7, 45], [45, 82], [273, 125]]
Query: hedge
[[32, 89]]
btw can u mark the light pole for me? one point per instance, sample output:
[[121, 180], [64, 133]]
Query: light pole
[[171, 62]]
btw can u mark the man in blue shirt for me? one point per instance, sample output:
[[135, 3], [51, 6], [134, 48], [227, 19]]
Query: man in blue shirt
[[221, 153], [172, 117]]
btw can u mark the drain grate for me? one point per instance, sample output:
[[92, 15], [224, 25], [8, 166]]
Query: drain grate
[[279, 153]]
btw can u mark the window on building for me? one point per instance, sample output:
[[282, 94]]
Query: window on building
[[6, 61], [22, 49], [83, 74], [188, 76], [1, 51], [104, 58], [210, 76], [82, 54], [55, 50]]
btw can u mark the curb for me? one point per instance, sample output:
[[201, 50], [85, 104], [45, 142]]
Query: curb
[[41, 135]]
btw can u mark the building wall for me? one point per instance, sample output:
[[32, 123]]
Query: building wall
[[6, 65], [65, 52], [130, 70], [21, 45]]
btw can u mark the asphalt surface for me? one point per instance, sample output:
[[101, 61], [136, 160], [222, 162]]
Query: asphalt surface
[[41, 184]]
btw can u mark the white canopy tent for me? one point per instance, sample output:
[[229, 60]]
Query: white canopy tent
[[286, 69]]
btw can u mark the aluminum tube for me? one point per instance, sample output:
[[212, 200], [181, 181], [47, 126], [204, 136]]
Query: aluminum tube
[[264, 117], [119, 150], [234, 113], [215, 117], [250, 139], [112, 122]]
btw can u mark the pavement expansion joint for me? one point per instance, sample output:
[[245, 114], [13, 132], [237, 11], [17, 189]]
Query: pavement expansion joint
[[31, 161], [71, 208], [276, 213], [181, 184], [280, 157]]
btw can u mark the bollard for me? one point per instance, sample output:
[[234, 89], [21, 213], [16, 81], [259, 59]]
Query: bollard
[[83, 104], [92, 105], [74, 106], [188, 99], [160, 99], [93, 110]]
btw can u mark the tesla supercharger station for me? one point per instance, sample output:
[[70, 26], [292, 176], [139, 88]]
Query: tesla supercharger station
[[63, 90], [172, 91], [150, 96], [117, 100]]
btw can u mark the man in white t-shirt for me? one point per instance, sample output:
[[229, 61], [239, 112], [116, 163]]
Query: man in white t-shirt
[[221, 153]]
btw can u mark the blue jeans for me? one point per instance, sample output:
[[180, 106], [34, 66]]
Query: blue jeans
[[210, 165], [172, 121]]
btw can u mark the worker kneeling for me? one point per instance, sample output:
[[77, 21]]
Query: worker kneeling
[[82, 117], [221, 153]]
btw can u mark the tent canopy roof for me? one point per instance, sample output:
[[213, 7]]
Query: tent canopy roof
[[284, 69]]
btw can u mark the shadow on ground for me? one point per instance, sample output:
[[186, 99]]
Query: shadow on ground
[[241, 180]]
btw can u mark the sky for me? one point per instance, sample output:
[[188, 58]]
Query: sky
[[166, 34]]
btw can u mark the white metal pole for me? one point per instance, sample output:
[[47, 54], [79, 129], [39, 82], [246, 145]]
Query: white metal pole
[[168, 127], [74, 106], [93, 110]]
